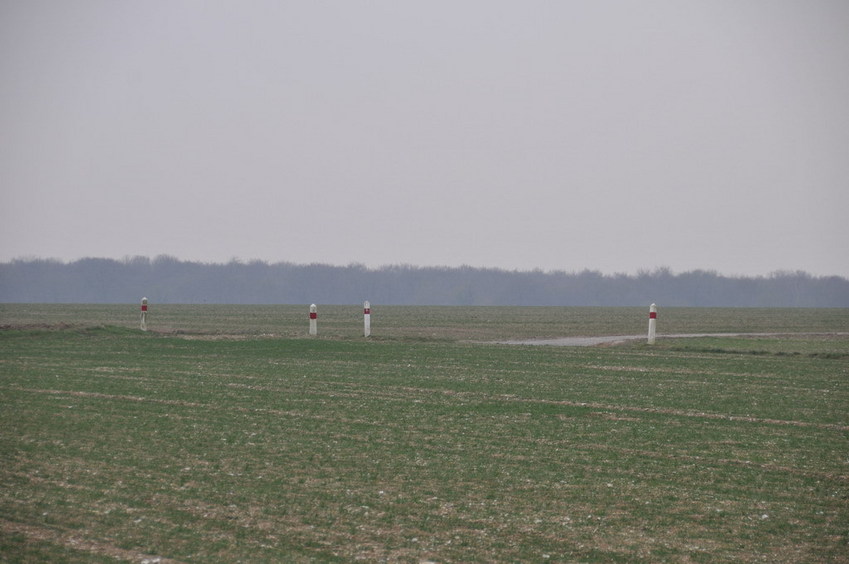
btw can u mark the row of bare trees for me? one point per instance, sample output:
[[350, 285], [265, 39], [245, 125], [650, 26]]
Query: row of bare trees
[[169, 280]]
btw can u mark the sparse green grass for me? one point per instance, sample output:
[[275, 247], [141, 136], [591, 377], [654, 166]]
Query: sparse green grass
[[203, 444], [419, 322], [825, 346]]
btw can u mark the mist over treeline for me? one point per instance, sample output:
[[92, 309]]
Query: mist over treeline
[[165, 279]]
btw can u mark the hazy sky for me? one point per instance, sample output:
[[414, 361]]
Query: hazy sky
[[561, 135]]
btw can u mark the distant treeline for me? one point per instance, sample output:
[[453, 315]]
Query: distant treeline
[[166, 279]]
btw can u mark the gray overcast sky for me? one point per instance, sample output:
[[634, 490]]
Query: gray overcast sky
[[562, 135]]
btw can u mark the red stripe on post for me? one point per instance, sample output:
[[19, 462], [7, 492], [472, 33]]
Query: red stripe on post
[[652, 315], [313, 315], [367, 311], [144, 308]]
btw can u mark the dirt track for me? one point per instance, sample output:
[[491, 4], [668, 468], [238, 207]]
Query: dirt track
[[614, 339]]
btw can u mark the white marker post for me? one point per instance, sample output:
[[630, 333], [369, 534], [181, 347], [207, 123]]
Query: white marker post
[[313, 320], [652, 322], [367, 318], [144, 314]]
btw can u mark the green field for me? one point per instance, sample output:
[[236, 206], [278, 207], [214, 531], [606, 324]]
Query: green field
[[225, 434]]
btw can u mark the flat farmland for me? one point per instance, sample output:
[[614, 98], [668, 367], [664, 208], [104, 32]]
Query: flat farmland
[[225, 434], [422, 322]]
